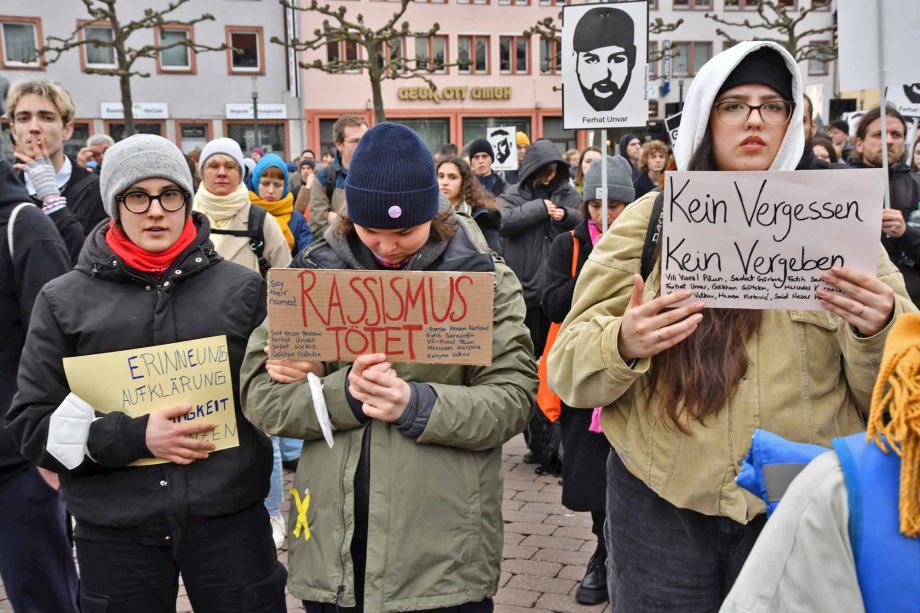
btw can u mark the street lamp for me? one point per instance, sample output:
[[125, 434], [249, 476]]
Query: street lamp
[[681, 68], [255, 112]]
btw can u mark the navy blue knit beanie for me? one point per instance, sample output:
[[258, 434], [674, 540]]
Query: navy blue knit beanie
[[391, 180]]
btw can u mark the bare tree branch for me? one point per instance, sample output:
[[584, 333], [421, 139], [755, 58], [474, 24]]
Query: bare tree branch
[[784, 23]]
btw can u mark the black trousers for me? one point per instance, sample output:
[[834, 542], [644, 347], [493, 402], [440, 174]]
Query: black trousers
[[228, 565], [36, 554], [666, 559]]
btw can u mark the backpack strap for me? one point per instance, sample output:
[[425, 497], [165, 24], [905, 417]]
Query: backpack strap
[[575, 248], [255, 233], [652, 237], [11, 222], [330, 183]]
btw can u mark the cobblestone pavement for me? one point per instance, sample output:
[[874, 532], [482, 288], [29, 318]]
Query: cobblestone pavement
[[546, 546]]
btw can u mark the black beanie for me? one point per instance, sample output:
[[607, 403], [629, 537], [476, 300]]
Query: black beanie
[[391, 180], [481, 145], [841, 125], [765, 66], [605, 27]]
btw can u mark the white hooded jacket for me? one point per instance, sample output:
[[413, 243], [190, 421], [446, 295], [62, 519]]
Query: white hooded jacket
[[702, 94]]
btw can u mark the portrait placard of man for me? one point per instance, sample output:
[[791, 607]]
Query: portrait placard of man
[[605, 65], [605, 56], [504, 146]]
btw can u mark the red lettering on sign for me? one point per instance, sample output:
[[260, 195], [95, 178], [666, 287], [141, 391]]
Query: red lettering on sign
[[460, 297], [305, 276]]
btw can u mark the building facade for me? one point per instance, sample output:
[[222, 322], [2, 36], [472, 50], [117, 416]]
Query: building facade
[[494, 75], [189, 97]]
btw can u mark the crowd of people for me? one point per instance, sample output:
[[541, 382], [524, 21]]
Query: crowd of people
[[644, 404]]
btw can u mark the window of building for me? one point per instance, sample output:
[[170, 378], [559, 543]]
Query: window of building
[[98, 56], [751, 5], [549, 55], [193, 135], [435, 131], [271, 133], [692, 4], [431, 53], [343, 53], [514, 54], [818, 65], [246, 51], [514, 2], [394, 50], [552, 130], [77, 139], [653, 5], [653, 59], [472, 1], [552, 2], [688, 57], [116, 129], [177, 57], [21, 39], [475, 127], [473, 54]]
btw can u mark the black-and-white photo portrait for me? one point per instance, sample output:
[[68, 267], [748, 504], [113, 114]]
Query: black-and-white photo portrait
[[604, 57], [503, 143]]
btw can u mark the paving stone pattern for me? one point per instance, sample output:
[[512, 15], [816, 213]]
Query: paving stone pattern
[[546, 546]]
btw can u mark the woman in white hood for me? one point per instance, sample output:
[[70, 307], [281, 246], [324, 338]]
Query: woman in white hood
[[684, 388]]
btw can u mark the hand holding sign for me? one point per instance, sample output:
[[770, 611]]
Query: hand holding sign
[[867, 303], [289, 371], [374, 382], [893, 223], [172, 441], [648, 329]]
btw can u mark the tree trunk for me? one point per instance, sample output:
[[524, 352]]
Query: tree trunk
[[127, 104], [375, 74]]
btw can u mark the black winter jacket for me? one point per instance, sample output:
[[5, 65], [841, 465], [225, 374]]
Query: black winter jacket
[[490, 224], [527, 229], [905, 250], [558, 282], [39, 255], [104, 306]]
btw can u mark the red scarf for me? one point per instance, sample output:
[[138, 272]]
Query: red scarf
[[143, 260]]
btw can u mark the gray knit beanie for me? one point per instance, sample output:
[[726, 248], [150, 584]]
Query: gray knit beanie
[[139, 157], [619, 180]]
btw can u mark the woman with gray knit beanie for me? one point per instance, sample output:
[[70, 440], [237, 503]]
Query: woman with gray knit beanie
[[406, 502], [150, 277]]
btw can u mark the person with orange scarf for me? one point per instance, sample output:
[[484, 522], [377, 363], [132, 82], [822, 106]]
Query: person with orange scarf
[[272, 192], [150, 277]]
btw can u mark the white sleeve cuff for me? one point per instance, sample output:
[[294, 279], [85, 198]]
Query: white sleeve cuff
[[319, 407]]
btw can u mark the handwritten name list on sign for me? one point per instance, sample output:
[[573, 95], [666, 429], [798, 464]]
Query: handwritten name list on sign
[[411, 316], [762, 240], [141, 381]]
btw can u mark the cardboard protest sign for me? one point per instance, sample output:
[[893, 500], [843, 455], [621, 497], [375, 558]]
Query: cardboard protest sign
[[504, 145], [762, 240], [141, 381], [604, 65], [411, 316]]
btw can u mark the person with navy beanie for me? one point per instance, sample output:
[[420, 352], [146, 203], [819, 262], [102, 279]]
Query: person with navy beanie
[[407, 499]]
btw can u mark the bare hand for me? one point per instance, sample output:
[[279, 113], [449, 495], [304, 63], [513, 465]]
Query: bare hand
[[51, 478], [172, 441], [550, 207], [84, 156], [558, 213], [893, 223], [648, 329], [374, 382], [866, 304], [331, 216], [289, 371]]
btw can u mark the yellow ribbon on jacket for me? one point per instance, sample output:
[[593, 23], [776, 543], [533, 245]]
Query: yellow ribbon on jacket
[[281, 210], [302, 505]]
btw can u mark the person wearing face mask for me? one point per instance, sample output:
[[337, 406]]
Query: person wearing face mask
[[239, 233], [149, 277], [586, 449], [683, 388], [461, 187], [405, 505]]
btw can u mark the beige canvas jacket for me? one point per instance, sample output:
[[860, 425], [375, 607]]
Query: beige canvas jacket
[[236, 248], [809, 379]]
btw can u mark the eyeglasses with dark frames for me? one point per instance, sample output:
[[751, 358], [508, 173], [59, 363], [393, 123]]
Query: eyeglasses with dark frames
[[736, 113], [138, 202]]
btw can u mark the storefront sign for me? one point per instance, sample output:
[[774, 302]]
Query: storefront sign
[[457, 92], [142, 110], [267, 110]]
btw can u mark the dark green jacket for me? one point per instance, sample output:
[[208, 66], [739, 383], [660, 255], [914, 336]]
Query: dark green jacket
[[435, 522]]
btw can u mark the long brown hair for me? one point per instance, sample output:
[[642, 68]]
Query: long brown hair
[[579, 179], [471, 190], [699, 376]]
